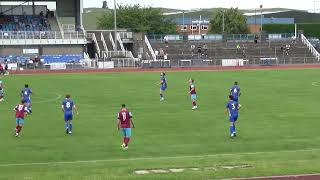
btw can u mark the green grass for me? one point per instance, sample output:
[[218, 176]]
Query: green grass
[[278, 126]]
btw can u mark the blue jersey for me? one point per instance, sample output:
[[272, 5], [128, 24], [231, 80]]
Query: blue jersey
[[26, 92], [232, 107], [67, 105], [163, 81], [235, 91]]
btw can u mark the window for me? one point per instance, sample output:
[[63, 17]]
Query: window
[[193, 27], [184, 27], [204, 27]]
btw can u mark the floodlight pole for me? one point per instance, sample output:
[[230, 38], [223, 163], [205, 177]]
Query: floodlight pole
[[115, 25], [223, 21], [261, 19]]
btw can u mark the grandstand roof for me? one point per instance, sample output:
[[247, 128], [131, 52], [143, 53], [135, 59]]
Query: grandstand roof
[[29, 0]]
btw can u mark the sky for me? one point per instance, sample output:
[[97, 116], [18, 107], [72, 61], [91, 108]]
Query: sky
[[192, 4]]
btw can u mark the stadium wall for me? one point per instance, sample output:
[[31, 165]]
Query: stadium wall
[[43, 50]]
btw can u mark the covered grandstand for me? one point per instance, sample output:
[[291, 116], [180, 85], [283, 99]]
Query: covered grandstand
[[30, 29]]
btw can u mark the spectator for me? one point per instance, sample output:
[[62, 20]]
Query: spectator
[[287, 49], [204, 50], [2, 72], [293, 39], [48, 13], [256, 39], [244, 55]]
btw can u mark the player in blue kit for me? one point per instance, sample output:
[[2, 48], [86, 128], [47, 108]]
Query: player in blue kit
[[232, 109], [235, 91], [163, 85], [25, 94], [68, 107]]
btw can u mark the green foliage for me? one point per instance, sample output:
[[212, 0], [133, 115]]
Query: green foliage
[[278, 28], [138, 19], [310, 30], [234, 20]]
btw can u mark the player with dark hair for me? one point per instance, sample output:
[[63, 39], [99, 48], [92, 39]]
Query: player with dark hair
[[125, 123], [25, 94], [193, 94], [235, 91], [21, 111], [163, 85], [68, 106], [232, 109]]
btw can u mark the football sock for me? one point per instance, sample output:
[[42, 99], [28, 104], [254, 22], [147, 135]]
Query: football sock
[[66, 126], [127, 139], [19, 129], [124, 140], [161, 95], [194, 103], [231, 129], [70, 127], [234, 128]]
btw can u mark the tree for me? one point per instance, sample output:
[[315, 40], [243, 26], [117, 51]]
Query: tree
[[234, 20], [138, 19]]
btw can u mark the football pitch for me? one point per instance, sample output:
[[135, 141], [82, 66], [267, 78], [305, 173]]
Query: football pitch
[[278, 126]]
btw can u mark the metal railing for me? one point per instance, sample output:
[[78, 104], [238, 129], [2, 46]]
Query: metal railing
[[121, 62], [120, 42], [311, 48], [104, 42], [96, 44], [216, 37], [112, 41], [154, 57], [41, 35]]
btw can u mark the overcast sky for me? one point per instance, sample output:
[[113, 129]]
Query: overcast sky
[[191, 4]]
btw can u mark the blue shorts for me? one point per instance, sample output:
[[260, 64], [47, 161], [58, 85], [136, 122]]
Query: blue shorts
[[163, 88], [193, 97], [19, 121], [236, 99], [233, 118], [126, 132], [27, 100], [68, 116]]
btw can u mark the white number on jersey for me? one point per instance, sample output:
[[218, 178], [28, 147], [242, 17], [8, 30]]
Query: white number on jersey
[[68, 105], [124, 116], [25, 92], [233, 106], [20, 107], [235, 90]]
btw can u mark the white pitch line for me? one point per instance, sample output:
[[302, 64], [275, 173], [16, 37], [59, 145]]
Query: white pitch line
[[153, 158], [274, 177], [58, 96], [316, 83]]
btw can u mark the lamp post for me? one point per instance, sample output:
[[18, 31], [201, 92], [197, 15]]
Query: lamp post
[[261, 29], [115, 25], [223, 24]]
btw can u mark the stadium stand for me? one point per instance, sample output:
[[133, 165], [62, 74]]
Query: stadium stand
[[24, 23]]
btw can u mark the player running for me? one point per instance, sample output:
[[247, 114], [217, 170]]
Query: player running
[[163, 85], [68, 106], [21, 111], [1, 94], [193, 94], [25, 94], [232, 108], [235, 91], [124, 123]]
